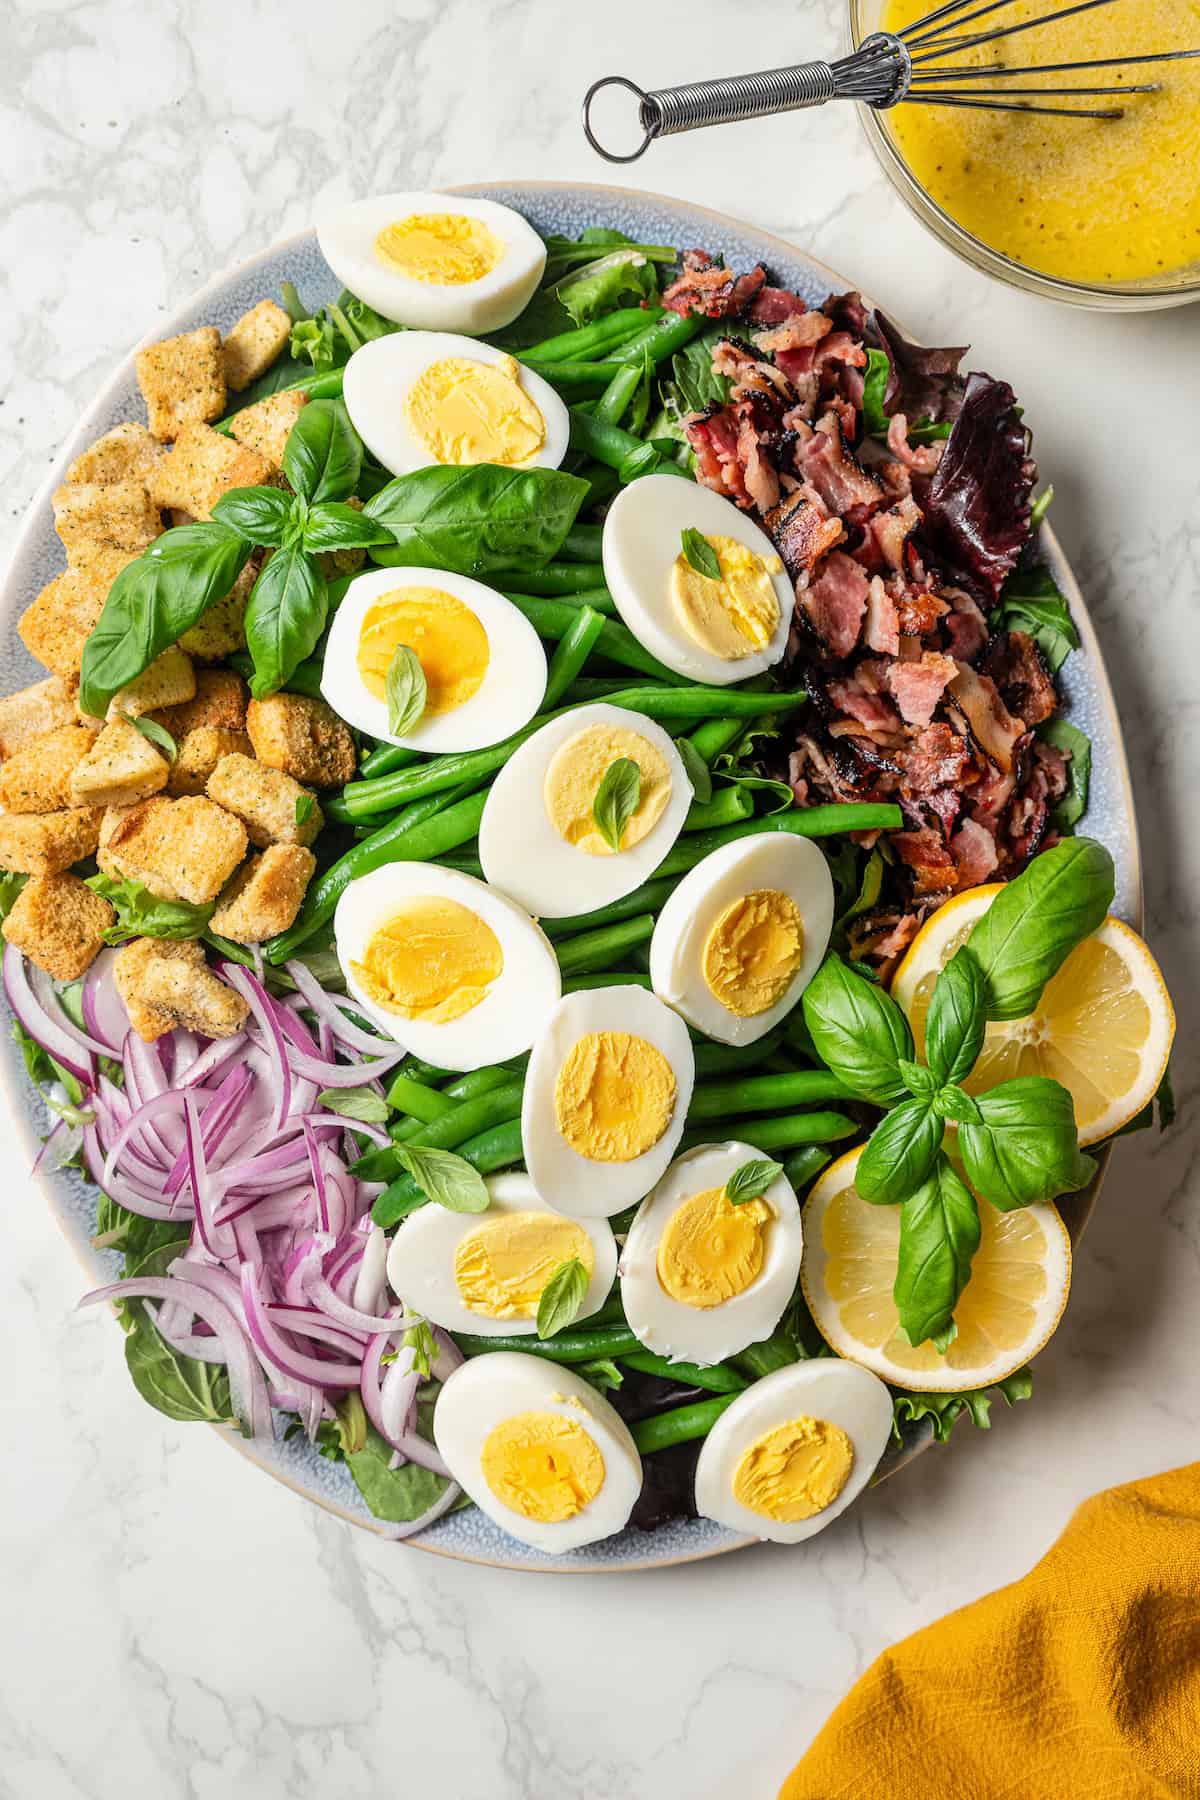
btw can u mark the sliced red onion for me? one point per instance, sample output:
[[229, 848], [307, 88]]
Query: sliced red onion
[[103, 1008], [47, 997], [410, 1444], [398, 1395], [43, 1028], [59, 1147], [342, 1075], [376, 1133], [370, 1284], [329, 1009], [263, 1008], [220, 1247], [305, 1321], [322, 1295], [274, 1345], [449, 1357], [213, 1058]]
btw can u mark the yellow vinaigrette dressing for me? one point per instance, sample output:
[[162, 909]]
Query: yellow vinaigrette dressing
[[1093, 200]]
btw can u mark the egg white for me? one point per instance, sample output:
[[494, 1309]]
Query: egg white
[[708, 1334], [489, 1389], [380, 375], [520, 1001], [522, 852], [642, 534], [347, 233], [572, 1183], [825, 1388], [421, 1259], [506, 699]]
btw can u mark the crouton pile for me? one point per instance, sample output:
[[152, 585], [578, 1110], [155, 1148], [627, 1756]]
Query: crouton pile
[[227, 821]]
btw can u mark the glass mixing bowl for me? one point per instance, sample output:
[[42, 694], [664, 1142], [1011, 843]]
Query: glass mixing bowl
[[1172, 289]]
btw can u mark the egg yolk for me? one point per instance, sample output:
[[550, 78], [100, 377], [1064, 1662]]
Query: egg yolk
[[450, 643], [794, 1471], [501, 1267], [710, 1250], [447, 248], [573, 777], [736, 615], [464, 411], [614, 1096], [433, 959], [542, 1466], [753, 952]]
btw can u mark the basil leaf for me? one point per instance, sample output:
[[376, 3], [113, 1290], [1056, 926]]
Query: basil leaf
[[441, 1176], [955, 1103], [919, 1079], [259, 514], [751, 1180], [869, 888], [900, 1153], [355, 1103], [1036, 921], [1065, 736], [397, 1495], [858, 1032], [939, 1235], [331, 525], [284, 618], [406, 690], [158, 735], [957, 1018], [142, 914], [304, 805], [1025, 1147], [696, 770], [700, 553], [562, 1297], [477, 519], [153, 601], [322, 458], [617, 799]]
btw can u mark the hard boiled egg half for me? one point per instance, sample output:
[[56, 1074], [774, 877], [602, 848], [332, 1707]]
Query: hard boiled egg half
[[794, 1450], [453, 970], [698, 584], [606, 1095], [538, 1450], [483, 662], [539, 839], [701, 1275], [439, 261], [422, 397], [486, 1271], [743, 934]]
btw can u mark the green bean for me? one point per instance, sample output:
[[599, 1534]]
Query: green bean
[[423, 1103], [591, 950], [615, 399], [602, 481], [579, 984], [384, 758], [680, 1426], [552, 619], [582, 544], [465, 1119], [598, 598], [571, 652], [775, 1352], [498, 1148], [717, 1376], [808, 821], [427, 1072], [609, 444], [647, 898], [734, 1059], [725, 808], [554, 578], [566, 1347], [766, 1093], [716, 735], [574, 378], [803, 1166], [662, 339], [335, 811], [466, 1087], [784, 1133], [589, 340], [419, 834], [590, 688]]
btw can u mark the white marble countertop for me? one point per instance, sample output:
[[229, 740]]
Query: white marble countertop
[[175, 1624]]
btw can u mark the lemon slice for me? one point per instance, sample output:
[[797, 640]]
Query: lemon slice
[[1103, 1026], [1008, 1310]]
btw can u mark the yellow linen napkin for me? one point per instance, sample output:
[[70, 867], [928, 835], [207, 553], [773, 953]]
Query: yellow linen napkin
[[1080, 1682]]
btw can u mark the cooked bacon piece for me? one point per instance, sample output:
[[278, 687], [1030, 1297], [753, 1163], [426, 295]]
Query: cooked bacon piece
[[924, 458], [882, 628], [825, 460], [934, 869], [748, 372], [882, 937], [860, 696], [965, 627], [756, 431], [799, 332], [802, 531], [847, 312], [886, 535], [705, 287], [773, 305], [974, 850], [918, 686], [995, 730], [919, 611], [835, 601], [991, 795], [714, 438], [936, 764], [1015, 664], [1055, 768]]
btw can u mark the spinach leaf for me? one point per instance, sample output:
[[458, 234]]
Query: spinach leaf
[[957, 1018], [397, 1495], [182, 1387], [133, 1235], [1036, 920], [859, 1033], [700, 553], [694, 385], [323, 455], [944, 1409], [875, 382], [158, 735], [624, 277], [283, 375], [562, 1297], [1025, 1147], [153, 602], [441, 1176], [617, 799], [900, 1153], [1032, 601], [406, 690], [142, 914], [544, 317], [1065, 736], [939, 1235], [284, 618], [260, 515], [476, 519], [332, 525], [751, 1180], [696, 770]]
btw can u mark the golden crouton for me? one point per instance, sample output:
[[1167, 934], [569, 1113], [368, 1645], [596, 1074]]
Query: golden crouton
[[221, 627], [62, 618], [126, 453], [129, 969], [201, 466], [191, 998], [254, 342], [119, 515], [46, 843], [274, 808], [200, 752], [34, 711], [59, 923], [182, 849], [220, 699], [168, 681], [265, 894], [266, 426], [38, 779], [303, 737], [182, 379], [121, 766]]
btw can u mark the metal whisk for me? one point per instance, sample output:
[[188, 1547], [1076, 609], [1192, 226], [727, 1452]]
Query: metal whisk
[[887, 68]]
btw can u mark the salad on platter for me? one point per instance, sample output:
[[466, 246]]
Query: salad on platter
[[543, 887]]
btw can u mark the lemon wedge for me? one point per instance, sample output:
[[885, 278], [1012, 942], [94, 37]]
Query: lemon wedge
[[1103, 1026], [1008, 1310]]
